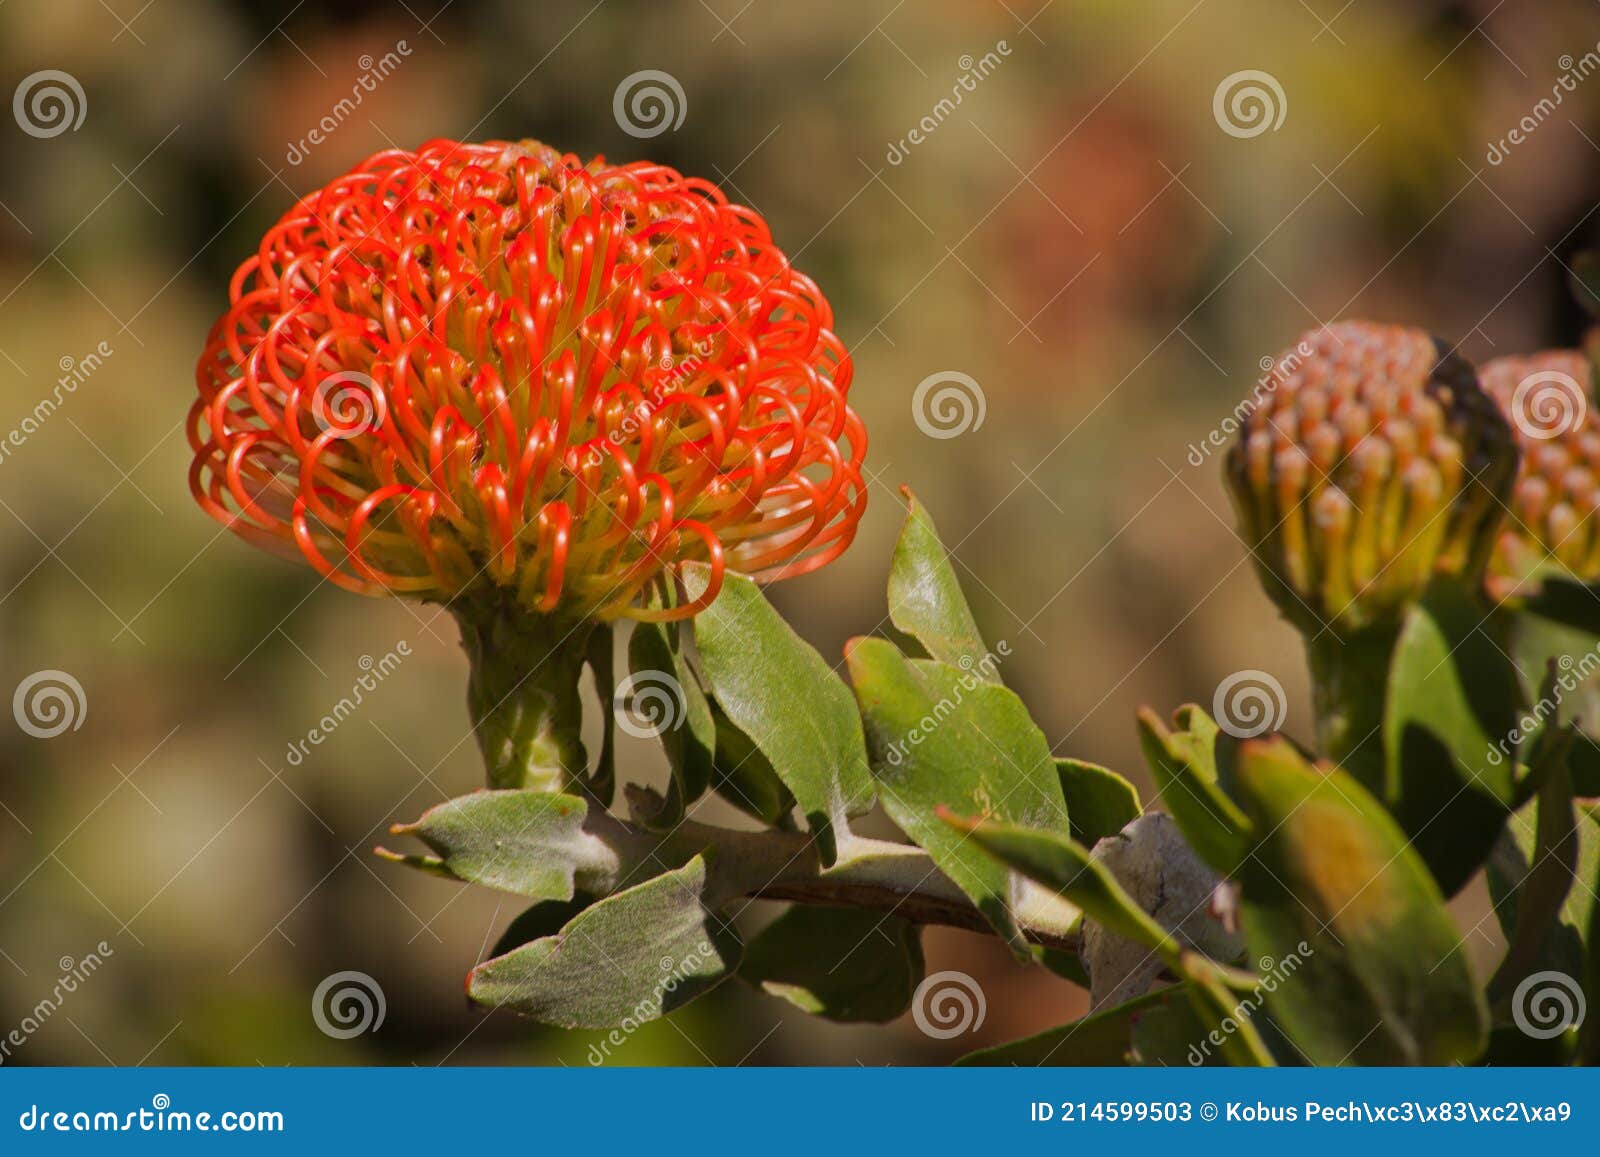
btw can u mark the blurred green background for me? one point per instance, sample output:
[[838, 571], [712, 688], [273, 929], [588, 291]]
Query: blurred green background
[[1081, 235]]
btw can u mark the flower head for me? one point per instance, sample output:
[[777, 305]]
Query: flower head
[[1556, 497], [1369, 462], [491, 368]]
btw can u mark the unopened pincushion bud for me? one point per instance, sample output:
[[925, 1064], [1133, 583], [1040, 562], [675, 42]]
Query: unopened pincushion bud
[[1372, 464], [1369, 466], [1547, 397]]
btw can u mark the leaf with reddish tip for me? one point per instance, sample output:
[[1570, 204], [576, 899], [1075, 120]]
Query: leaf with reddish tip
[[529, 842], [1332, 883], [632, 957], [1058, 862]]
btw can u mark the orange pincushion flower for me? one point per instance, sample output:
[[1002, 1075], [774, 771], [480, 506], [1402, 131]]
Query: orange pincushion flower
[[490, 366]]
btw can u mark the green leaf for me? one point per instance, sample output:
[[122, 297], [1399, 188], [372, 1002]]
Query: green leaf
[[940, 735], [1173, 1034], [627, 959], [1536, 642], [843, 964], [783, 695], [545, 918], [1451, 704], [690, 736], [743, 777], [1332, 883], [1102, 1039], [925, 599], [1185, 766], [1100, 802], [1541, 884], [526, 841], [1058, 862]]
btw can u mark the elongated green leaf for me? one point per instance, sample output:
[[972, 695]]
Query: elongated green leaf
[[1059, 862], [742, 776], [782, 694], [940, 735], [1542, 885], [1099, 801], [687, 732], [843, 964], [1184, 763], [1450, 708], [1332, 883], [529, 842], [1102, 1039], [925, 599], [1537, 642], [627, 959]]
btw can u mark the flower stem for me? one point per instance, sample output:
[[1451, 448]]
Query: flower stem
[[523, 695], [1350, 678]]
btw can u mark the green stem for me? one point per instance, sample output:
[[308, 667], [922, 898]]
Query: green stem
[[1350, 677], [523, 695]]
